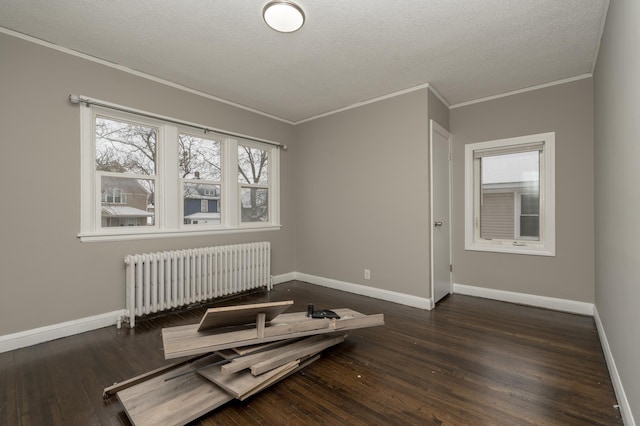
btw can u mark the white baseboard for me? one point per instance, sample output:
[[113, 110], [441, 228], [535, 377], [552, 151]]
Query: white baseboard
[[26, 338], [564, 305], [279, 279], [621, 396], [376, 293]]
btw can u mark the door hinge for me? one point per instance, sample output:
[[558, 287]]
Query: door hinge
[[450, 268]]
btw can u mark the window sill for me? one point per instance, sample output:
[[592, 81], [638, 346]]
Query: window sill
[[508, 247], [91, 237]]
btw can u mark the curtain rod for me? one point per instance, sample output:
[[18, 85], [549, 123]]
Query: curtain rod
[[76, 99]]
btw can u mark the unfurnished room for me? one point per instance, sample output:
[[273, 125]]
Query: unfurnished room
[[300, 212]]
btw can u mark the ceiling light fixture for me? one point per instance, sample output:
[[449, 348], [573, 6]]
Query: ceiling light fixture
[[283, 16]]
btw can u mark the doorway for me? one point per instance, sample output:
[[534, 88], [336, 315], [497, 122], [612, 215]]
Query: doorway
[[440, 201]]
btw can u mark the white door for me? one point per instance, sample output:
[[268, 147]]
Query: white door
[[440, 149]]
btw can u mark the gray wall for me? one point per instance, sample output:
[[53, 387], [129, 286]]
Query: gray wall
[[47, 275], [566, 109], [438, 111], [363, 199], [617, 148]]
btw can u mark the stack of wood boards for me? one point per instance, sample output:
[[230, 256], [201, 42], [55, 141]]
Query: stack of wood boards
[[237, 351]]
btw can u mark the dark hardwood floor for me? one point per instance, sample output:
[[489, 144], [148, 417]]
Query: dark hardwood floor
[[470, 361]]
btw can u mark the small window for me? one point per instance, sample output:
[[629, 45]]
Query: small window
[[509, 195]]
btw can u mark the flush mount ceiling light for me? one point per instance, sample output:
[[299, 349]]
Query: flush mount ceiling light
[[283, 16]]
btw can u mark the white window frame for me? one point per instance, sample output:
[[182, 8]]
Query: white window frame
[[546, 246], [168, 208]]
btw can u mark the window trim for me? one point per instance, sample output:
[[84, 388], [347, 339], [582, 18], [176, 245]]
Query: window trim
[[169, 202], [545, 247]]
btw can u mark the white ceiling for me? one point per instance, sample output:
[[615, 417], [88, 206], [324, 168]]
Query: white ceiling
[[349, 51]]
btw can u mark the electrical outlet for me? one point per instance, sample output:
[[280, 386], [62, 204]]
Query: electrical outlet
[[367, 274]]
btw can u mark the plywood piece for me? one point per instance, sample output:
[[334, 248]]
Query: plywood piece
[[241, 314], [245, 362], [173, 402], [186, 340], [240, 384], [295, 353]]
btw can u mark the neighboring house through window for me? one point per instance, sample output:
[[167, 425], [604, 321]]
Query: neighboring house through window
[[509, 195]]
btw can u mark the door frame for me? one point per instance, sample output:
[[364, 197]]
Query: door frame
[[434, 127]]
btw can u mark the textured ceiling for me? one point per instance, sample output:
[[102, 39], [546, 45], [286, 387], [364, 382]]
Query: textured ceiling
[[348, 51]]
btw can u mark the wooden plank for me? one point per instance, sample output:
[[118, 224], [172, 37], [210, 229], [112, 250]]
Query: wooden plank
[[186, 340], [246, 350], [252, 390], [241, 314], [116, 387], [239, 384], [358, 322], [303, 364], [244, 362], [227, 353], [173, 402], [312, 349], [260, 323]]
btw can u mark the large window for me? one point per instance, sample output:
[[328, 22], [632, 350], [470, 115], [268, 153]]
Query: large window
[[510, 195], [144, 177]]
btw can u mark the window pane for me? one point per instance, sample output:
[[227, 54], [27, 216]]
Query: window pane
[[125, 147], [503, 178], [199, 158], [127, 202], [253, 165], [530, 226], [530, 204], [201, 204], [254, 204]]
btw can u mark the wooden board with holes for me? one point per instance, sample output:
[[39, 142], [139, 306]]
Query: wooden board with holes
[[241, 314], [174, 402], [186, 340]]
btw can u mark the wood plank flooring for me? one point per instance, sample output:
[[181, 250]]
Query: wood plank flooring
[[470, 361]]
